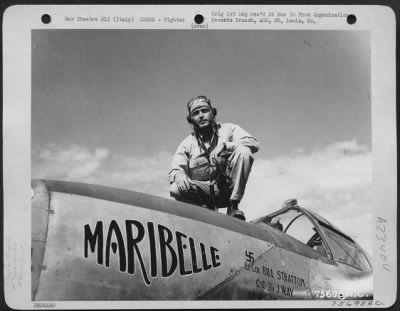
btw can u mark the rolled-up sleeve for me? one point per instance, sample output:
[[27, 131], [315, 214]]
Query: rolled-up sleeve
[[180, 161], [239, 137]]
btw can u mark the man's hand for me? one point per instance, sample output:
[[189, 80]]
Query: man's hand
[[217, 152], [182, 181]]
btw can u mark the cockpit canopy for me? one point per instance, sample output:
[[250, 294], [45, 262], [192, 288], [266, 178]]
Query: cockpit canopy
[[317, 233]]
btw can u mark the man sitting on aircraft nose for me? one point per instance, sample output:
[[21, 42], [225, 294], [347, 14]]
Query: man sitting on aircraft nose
[[212, 165]]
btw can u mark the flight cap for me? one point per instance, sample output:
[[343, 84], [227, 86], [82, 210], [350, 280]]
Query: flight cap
[[197, 102]]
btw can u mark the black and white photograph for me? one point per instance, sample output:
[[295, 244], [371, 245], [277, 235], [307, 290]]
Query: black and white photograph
[[219, 164]]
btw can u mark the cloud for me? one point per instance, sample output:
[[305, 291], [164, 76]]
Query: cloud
[[100, 166], [335, 181], [71, 162]]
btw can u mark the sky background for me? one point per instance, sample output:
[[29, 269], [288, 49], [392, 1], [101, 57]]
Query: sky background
[[109, 107]]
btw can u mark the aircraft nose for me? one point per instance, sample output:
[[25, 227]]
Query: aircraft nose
[[40, 205]]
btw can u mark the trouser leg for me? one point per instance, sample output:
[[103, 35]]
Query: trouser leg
[[198, 195], [238, 169]]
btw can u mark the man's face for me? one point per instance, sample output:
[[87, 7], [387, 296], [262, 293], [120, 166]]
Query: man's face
[[202, 116]]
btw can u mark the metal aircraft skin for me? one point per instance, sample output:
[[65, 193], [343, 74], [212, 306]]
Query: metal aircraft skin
[[91, 242]]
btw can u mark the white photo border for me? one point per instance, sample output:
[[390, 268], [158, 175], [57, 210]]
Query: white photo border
[[18, 23]]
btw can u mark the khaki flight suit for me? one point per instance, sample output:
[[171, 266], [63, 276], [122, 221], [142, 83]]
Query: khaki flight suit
[[190, 158]]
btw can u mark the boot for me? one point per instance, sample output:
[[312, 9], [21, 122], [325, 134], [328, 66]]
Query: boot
[[234, 211]]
